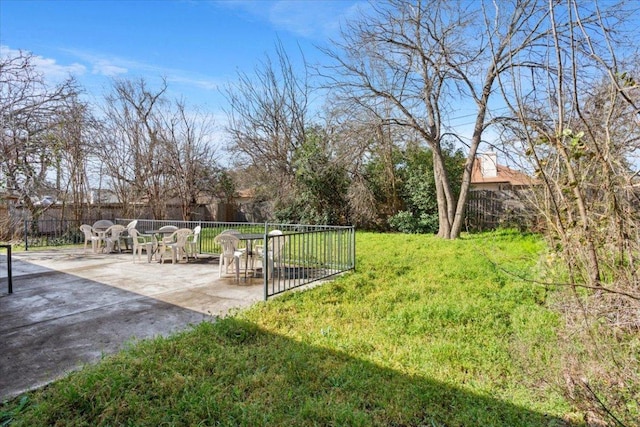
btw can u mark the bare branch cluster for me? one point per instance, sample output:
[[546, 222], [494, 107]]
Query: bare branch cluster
[[145, 148], [575, 120], [268, 118], [30, 112], [156, 151]]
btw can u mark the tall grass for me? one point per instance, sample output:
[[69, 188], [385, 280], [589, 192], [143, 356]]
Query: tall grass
[[425, 333]]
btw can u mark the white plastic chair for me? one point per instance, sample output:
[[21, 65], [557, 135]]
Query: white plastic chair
[[274, 253], [176, 243], [165, 232], [230, 254], [259, 249], [141, 242], [102, 224], [167, 228], [112, 237], [230, 231], [125, 235], [90, 236], [100, 228], [192, 243]]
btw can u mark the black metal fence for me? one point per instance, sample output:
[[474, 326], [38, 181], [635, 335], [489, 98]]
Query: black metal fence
[[306, 256], [51, 232], [307, 253], [9, 273]]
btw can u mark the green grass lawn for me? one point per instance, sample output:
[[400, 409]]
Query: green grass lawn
[[426, 332]]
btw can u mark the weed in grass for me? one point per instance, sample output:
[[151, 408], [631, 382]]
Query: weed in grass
[[7, 416]]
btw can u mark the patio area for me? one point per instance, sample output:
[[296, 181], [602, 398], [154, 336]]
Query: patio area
[[70, 308]]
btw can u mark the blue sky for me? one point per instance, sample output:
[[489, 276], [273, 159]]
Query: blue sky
[[198, 46]]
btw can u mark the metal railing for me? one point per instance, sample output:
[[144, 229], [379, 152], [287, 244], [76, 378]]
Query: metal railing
[[309, 253], [9, 273], [306, 256], [51, 232]]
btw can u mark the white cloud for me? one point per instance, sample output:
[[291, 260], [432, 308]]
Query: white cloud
[[202, 83], [317, 19], [104, 67], [111, 66], [182, 83], [101, 64], [49, 67]]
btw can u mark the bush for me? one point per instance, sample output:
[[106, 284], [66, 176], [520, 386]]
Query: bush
[[406, 222]]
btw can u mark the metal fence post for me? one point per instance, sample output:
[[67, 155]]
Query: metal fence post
[[265, 263], [26, 235], [9, 273]]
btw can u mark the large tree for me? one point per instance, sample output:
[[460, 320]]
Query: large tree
[[426, 59], [74, 147], [267, 121], [158, 150], [190, 162], [132, 150], [31, 110]]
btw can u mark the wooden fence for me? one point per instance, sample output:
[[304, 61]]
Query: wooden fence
[[488, 210]]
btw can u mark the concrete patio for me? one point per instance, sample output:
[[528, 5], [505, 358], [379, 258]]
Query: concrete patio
[[71, 308]]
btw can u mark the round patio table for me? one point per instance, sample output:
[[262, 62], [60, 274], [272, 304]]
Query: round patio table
[[249, 238]]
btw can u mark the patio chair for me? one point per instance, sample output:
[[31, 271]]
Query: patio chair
[[274, 254], [102, 224], [100, 228], [141, 242], [176, 243], [259, 249], [230, 254], [234, 231], [192, 247], [125, 234], [166, 228], [230, 231], [112, 237], [90, 236]]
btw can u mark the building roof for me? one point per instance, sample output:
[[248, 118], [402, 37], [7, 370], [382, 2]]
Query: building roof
[[246, 193], [504, 175]]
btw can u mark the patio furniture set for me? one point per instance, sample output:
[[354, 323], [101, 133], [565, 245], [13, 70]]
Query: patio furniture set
[[182, 243]]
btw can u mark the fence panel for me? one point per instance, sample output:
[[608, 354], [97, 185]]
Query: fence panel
[[51, 232], [309, 252], [297, 258], [489, 209]]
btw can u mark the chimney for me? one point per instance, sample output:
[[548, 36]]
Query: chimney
[[489, 165]]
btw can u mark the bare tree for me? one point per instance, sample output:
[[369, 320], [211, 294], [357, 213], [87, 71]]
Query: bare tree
[[360, 138], [190, 157], [30, 110], [74, 146], [268, 117], [426, 58], [157, 151], [133, 151]]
